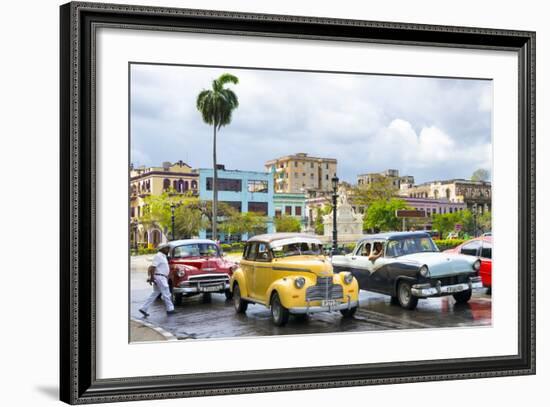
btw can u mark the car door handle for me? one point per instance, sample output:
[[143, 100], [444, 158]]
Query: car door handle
[[354, 258]]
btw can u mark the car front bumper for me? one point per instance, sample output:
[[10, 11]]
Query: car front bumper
[[340, 306], [428, 290], [219, 288]]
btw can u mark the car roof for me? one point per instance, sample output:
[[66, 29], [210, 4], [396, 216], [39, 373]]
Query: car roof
[[273, 237], [181, 242], [394, 235]]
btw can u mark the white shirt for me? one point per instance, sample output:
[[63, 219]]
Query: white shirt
[[160, 261]]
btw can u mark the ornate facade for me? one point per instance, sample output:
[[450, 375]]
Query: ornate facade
[[175, 178]]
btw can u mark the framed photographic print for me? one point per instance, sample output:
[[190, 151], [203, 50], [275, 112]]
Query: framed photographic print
[[264, 203]]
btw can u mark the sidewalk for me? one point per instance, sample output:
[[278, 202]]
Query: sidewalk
[[141, 331]]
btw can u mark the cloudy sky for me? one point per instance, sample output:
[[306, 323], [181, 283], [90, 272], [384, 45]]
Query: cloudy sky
[[430, 128]]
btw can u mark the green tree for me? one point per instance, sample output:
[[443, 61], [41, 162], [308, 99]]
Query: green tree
[[380, 189], [446, 223], [484, 222], [239, 223], [216, 106], [287, 223], [480, 174], [380, 214], [157, 212]]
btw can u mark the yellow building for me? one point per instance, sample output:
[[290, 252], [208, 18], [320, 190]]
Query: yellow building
[[300, 173], [178, 178]]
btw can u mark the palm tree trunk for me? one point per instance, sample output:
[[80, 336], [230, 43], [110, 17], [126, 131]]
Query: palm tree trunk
[[215, 191]]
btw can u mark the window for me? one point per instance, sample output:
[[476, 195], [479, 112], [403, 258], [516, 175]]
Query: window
[[311, 175], [326, 166], [263, 252], [225, 184], [257, 186], [288, 210], [311, 165], [295, 163], [166, 184], [196, 250], [257, 251], [364, 249], [298, 210], [326, 177], [303, 174], [486, 251], [471, 248], [132, 211], [278, 213], [258, 207]]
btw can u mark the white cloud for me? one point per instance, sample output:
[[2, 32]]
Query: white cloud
[[428, 127]]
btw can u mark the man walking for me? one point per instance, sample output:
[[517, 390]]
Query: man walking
[[158, 276]]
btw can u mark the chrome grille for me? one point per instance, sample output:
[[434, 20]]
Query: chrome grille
[[205, 280], [324, 289]]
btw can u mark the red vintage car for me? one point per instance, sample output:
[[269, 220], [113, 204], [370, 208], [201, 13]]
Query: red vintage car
[[481, 247], [197, 266]]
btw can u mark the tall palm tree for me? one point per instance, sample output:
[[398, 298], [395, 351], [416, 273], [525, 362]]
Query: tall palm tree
[[216, 106]]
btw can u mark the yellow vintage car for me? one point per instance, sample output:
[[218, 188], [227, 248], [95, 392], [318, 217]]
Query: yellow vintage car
[[288, 273]]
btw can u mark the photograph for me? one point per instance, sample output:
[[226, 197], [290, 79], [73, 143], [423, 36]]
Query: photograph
[[268, 202]]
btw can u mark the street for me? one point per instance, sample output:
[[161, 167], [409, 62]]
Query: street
[[199, 319]]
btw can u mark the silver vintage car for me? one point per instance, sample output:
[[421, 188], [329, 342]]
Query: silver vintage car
[[409, 266]]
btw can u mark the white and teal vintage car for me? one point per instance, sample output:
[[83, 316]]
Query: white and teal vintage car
[[409, 266]]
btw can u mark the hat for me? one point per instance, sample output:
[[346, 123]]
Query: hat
[[162, 246]]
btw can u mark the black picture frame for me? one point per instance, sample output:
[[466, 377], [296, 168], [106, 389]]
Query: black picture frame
[[78, 382]]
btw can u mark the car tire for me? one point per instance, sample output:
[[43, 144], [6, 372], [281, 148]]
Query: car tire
[[348, 313], [405, 297], [178, 299], [240, 304], [279, 314], [228, 294], [463, 297]]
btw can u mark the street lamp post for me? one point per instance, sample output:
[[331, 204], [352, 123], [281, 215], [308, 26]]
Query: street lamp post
[[474, 207], [172, 210], [334, 210]]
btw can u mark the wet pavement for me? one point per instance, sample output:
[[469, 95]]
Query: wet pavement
[[197, 318]]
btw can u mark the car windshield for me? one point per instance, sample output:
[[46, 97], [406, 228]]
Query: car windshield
[[196, 250], [296, 249], [410, 245]]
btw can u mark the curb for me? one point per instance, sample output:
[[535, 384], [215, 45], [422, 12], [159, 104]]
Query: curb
[[167, 335]]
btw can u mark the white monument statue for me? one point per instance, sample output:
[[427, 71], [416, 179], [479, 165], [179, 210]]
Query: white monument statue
[[349, 224]]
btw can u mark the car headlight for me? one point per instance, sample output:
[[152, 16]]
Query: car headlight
[[299, 282], [424, 272], [181, 273], [348, 278], [477, 265]]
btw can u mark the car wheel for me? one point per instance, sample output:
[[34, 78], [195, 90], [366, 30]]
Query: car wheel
[[348, 313], [240, 304], [228, 294], [463, 296], [178, 299], [405, 297], [279, 314]]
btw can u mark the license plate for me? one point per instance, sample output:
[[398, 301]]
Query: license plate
[[211, 288], [456, 289], [329, 303]]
